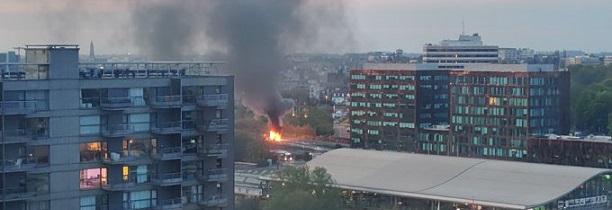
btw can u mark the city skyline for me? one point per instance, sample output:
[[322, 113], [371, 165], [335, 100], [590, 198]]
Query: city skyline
[[543, 25]]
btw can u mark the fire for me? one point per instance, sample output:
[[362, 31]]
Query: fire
[[275, 136]]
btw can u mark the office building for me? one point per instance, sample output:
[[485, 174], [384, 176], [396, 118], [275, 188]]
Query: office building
[[470, 110], [466, 49], [114, 136], [390, 101], [494, 109]]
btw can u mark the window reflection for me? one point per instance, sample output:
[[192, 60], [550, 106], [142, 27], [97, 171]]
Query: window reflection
[[93, 178]]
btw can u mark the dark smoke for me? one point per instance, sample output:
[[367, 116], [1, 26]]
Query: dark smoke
[[255, 35], [165, 30]]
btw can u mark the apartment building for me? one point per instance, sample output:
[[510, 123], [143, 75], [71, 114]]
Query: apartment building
[[97, 136], [466, 49]]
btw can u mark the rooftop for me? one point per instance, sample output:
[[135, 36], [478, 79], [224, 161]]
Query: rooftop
[[462, 67], [497, 183]]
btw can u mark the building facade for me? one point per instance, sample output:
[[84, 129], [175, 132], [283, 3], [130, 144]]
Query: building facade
[[494, 109], [466, 49], [390, 101], [114, 135]]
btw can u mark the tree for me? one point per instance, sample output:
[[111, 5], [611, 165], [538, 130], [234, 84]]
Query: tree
[[304, 189], [591, 98]]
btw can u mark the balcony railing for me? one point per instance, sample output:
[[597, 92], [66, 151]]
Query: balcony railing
[[169, 153], [20, 107], [143, 204], [165, 101], [167, 127], [217, 100], [114, 103], [10, 193], [214, 201], [23, 135], [215, 125], [169, 204], [216, 175], [167, 179], [215, 150], [23, 71], [117, 130], [124, 157], [126, 183], [23, 164]]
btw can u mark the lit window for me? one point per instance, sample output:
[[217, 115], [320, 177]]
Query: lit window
[[126, 173], [90, 151], [93, 178]]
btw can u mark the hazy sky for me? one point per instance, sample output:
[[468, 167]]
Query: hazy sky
[[377, 24]]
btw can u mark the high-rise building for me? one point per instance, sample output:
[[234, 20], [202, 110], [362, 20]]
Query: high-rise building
[[114, 136], [466, 49]]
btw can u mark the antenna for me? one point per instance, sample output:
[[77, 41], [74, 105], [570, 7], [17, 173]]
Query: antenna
[[462, 27]]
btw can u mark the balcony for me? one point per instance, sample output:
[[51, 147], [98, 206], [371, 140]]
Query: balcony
[[215, 150], [19, 107], [170, 101], [215, 175], [170, 204], [117, 130], [165, 128], [123, 186], [22, 164], [214, 201], [123, 158], [215, 125], [168, 179], [129, 182], [118, 103], [168, 153], [23, 135], [218, 100], [15, 193]]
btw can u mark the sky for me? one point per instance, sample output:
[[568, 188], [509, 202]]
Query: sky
[[377, 25]]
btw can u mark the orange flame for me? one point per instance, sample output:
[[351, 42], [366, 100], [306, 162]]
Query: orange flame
[[275, 136]]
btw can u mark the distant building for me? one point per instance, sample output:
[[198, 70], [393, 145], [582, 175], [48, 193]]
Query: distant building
[[92, 54], [607, 60], [390, 101], [490, 109], [584, 60], [494, 109], [516, 55], [467, 49]]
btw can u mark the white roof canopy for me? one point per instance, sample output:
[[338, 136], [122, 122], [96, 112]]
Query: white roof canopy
[[504, 184]]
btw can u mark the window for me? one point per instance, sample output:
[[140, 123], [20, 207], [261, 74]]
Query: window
[[90, 151], [93, 178], [358, 77], [38, 205], [140, 122], [137, 96], [89, 125], [406, 125], [88, 203], [193, 194], [139, 199]]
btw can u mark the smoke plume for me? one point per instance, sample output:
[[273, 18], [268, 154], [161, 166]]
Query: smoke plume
[[255, 36]]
